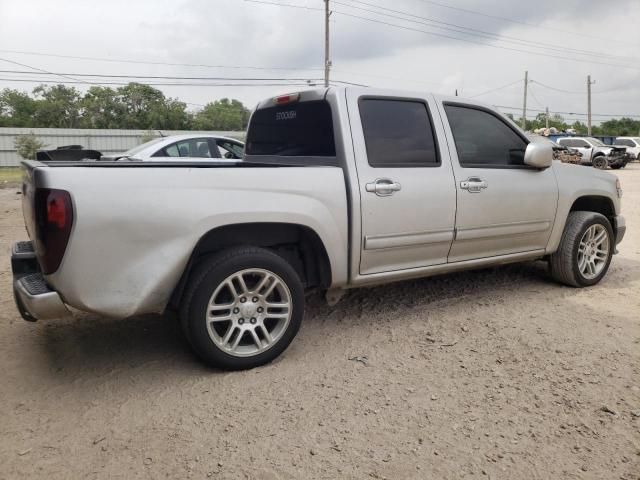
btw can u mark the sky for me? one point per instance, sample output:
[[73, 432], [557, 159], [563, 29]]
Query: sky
[[479, 48]]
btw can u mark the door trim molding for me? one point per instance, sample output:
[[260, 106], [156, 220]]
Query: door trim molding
[[502, 230], [421, 272], [379, 242]]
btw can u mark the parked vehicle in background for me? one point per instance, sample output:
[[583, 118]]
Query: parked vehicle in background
[[632, 144], [560, 152], [67, 153], [184, 147], [596, 153], [340, 188]]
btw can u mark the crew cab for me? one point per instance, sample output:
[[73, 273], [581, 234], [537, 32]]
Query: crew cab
[[596, 153], [339, 188]]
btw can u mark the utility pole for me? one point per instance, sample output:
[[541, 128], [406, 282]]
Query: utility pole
[[524, 105], [589, 83], [327, 57], [546, 116]]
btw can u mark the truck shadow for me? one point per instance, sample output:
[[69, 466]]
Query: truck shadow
[[102, 346], [91, 347]]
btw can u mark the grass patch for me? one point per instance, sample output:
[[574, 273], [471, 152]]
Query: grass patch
[[10, 175]]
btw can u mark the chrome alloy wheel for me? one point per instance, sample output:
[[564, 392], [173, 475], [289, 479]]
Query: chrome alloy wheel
[[593, 251], [249, 312]]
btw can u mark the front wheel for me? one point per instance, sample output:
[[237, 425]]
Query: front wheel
[[586, 247], [600, 162], [242, 308]]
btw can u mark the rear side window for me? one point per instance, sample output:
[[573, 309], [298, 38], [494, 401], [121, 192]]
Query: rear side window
[[398, 133], [483, 140], [625, 143], [195, 148], [303, 129]]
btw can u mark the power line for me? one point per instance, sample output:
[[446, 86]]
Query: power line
[[507, 107], [304, 7], [486, 15], [496, 89], [484, 44], [163, 84], [630, 66], [482, 33], [557, 89], [38, 69], [143, 62], [307, 83], [163, 77], [533, 95]]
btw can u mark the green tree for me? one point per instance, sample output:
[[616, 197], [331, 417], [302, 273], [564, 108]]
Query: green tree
[[102, 108], [223, 115], [147, 108], [16, 109], [621, 127], [28, 145], [57, 106]]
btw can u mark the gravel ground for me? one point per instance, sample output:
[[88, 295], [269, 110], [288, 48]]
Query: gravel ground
[[496, 374]]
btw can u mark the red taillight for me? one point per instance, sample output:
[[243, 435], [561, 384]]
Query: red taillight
[[56, 211], [54, 218]]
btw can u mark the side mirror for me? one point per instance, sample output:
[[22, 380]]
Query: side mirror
[[538, 155]]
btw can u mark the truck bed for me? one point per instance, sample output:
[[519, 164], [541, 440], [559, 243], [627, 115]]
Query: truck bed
[[148, 217]]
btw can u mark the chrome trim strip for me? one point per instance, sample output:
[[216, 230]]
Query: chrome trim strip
[[421, 272], [502, 230], [378, 242]]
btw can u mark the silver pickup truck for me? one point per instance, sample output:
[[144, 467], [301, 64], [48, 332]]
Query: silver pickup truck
[[340, 188]]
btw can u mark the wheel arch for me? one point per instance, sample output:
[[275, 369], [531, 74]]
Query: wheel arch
[[299, 244], [595, 203]]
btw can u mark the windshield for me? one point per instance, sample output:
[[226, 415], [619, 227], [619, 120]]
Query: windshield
[[133, 151], [596, 142]]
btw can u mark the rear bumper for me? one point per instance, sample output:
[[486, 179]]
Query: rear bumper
[[34, 299], [619, 228]]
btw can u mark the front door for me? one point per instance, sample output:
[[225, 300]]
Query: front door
[[406, 184], [504, 206]]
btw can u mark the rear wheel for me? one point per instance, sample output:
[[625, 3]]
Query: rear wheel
[[586, 247], [242, 308]]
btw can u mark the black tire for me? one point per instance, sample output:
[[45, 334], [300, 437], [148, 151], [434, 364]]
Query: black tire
[[564, 262], [616, 167], [600, 162], [208, 275]]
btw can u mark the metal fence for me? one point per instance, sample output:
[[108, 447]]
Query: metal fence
[[106, 141]]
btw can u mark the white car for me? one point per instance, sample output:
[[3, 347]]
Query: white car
[[184, 147], [632, 144]]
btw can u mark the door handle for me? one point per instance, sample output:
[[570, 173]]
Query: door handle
[[473, 185], [383, 187]]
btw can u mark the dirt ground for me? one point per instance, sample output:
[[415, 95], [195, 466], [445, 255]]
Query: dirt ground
[[497, 374]]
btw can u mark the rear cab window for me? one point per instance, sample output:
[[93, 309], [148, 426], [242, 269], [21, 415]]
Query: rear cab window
[[297, 129], [398, 133]]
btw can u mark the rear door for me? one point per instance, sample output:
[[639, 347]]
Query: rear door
[[405, 180], [504, 206]]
